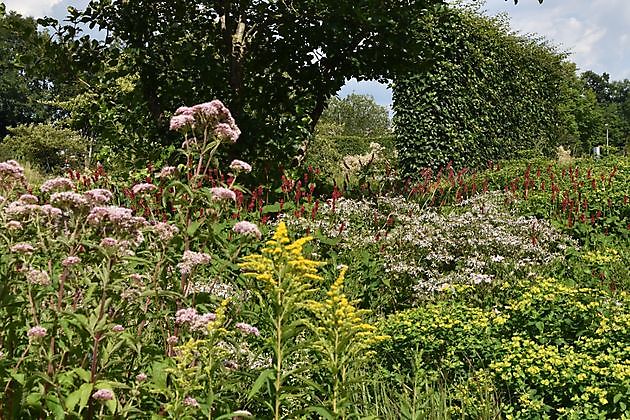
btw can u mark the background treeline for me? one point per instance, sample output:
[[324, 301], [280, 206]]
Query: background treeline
[[466, 90], [489, 94]]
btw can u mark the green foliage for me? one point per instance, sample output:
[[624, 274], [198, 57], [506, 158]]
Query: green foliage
[[24, 84], [275, 64], [46, 146], [356, 115], [482, 94], [549, 349]]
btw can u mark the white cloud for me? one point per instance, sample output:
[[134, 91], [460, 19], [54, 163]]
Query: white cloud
[[36, 8]]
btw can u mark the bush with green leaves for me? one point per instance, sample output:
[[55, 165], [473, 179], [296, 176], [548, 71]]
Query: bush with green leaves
[[47, 146], [549, 349], [484, 94]]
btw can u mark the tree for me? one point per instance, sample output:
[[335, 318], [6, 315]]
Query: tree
[[356, 115], [24, 85]]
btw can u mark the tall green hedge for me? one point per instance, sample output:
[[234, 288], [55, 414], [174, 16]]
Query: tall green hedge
[[486, 95]]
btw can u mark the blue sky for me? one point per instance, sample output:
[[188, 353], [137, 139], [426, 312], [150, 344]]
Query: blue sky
[[595, 32]]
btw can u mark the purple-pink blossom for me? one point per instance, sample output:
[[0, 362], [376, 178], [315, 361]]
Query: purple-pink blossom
[[165, 231], [247, 228], [28, 199], [141, 377], [191, 259], [247, 329], [37, 277], [103, 395], [181, 121], [172, 340], [118, 328], [36, 332], [191, 402], [240, 166], [11, 170], [22, 248], [108, 242], [13, 225], [167, 171], [68, 199], [70, 261], [185, 316], [55, 184], [98, 196], [220, 193], [143, 188], [226, 132]]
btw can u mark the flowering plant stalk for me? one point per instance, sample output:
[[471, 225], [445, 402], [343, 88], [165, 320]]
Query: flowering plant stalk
[[283, 278], [343, 339]]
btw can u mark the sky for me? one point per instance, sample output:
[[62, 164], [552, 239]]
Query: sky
[[595, 32]]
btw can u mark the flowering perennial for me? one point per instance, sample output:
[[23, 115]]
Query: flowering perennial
[[192, 259], [247, 228]]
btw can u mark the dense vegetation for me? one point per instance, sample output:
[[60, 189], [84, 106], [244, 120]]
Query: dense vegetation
[[192, 281]]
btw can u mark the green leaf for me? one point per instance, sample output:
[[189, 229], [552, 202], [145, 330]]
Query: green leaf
[[323, 412], [54, 405], [85, 392], [263, 378]]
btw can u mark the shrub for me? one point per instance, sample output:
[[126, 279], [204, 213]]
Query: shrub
[[550, 349], [46, 146]]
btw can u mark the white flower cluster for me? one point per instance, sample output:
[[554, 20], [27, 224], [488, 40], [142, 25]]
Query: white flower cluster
[[473, 243]]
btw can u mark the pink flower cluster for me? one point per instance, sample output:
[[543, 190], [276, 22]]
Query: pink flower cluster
[[19, 209], [191, 402], [143, 188], [36, 332], [68, 199], [211, 114], [192, 259], [247, 329], [55, 184], [38, 277], [118, 328], [98, 196], [165, 231], [247, 228], [28, 199], [11, 170], [220, 193], [240, 166], [196, 322], [70, 261], [22, 248], [13, 225], [103, 395], [167, 171], [120, 217]]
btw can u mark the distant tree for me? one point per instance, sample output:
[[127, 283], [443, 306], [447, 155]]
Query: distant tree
[[24, 85], [356, 115]]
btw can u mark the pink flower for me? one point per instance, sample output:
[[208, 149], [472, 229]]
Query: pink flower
[[11, 170], [184, 110], [22, 248], [167, 171], [68, 199], [50, 211], [247, 329], [38, 277], [98, 196], [63, 184], [247, 228], [103, 395], [181, 121], [172, 340], [220, 193], [143, 188], [191, 402], [13, 225], [165, 231], [118, 328], [70, 261], [28, 199], [141, 377], [192, 259], [36, 332], [108, 242], [200, 323], [240, 166], [227, 132], [185, 316]]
